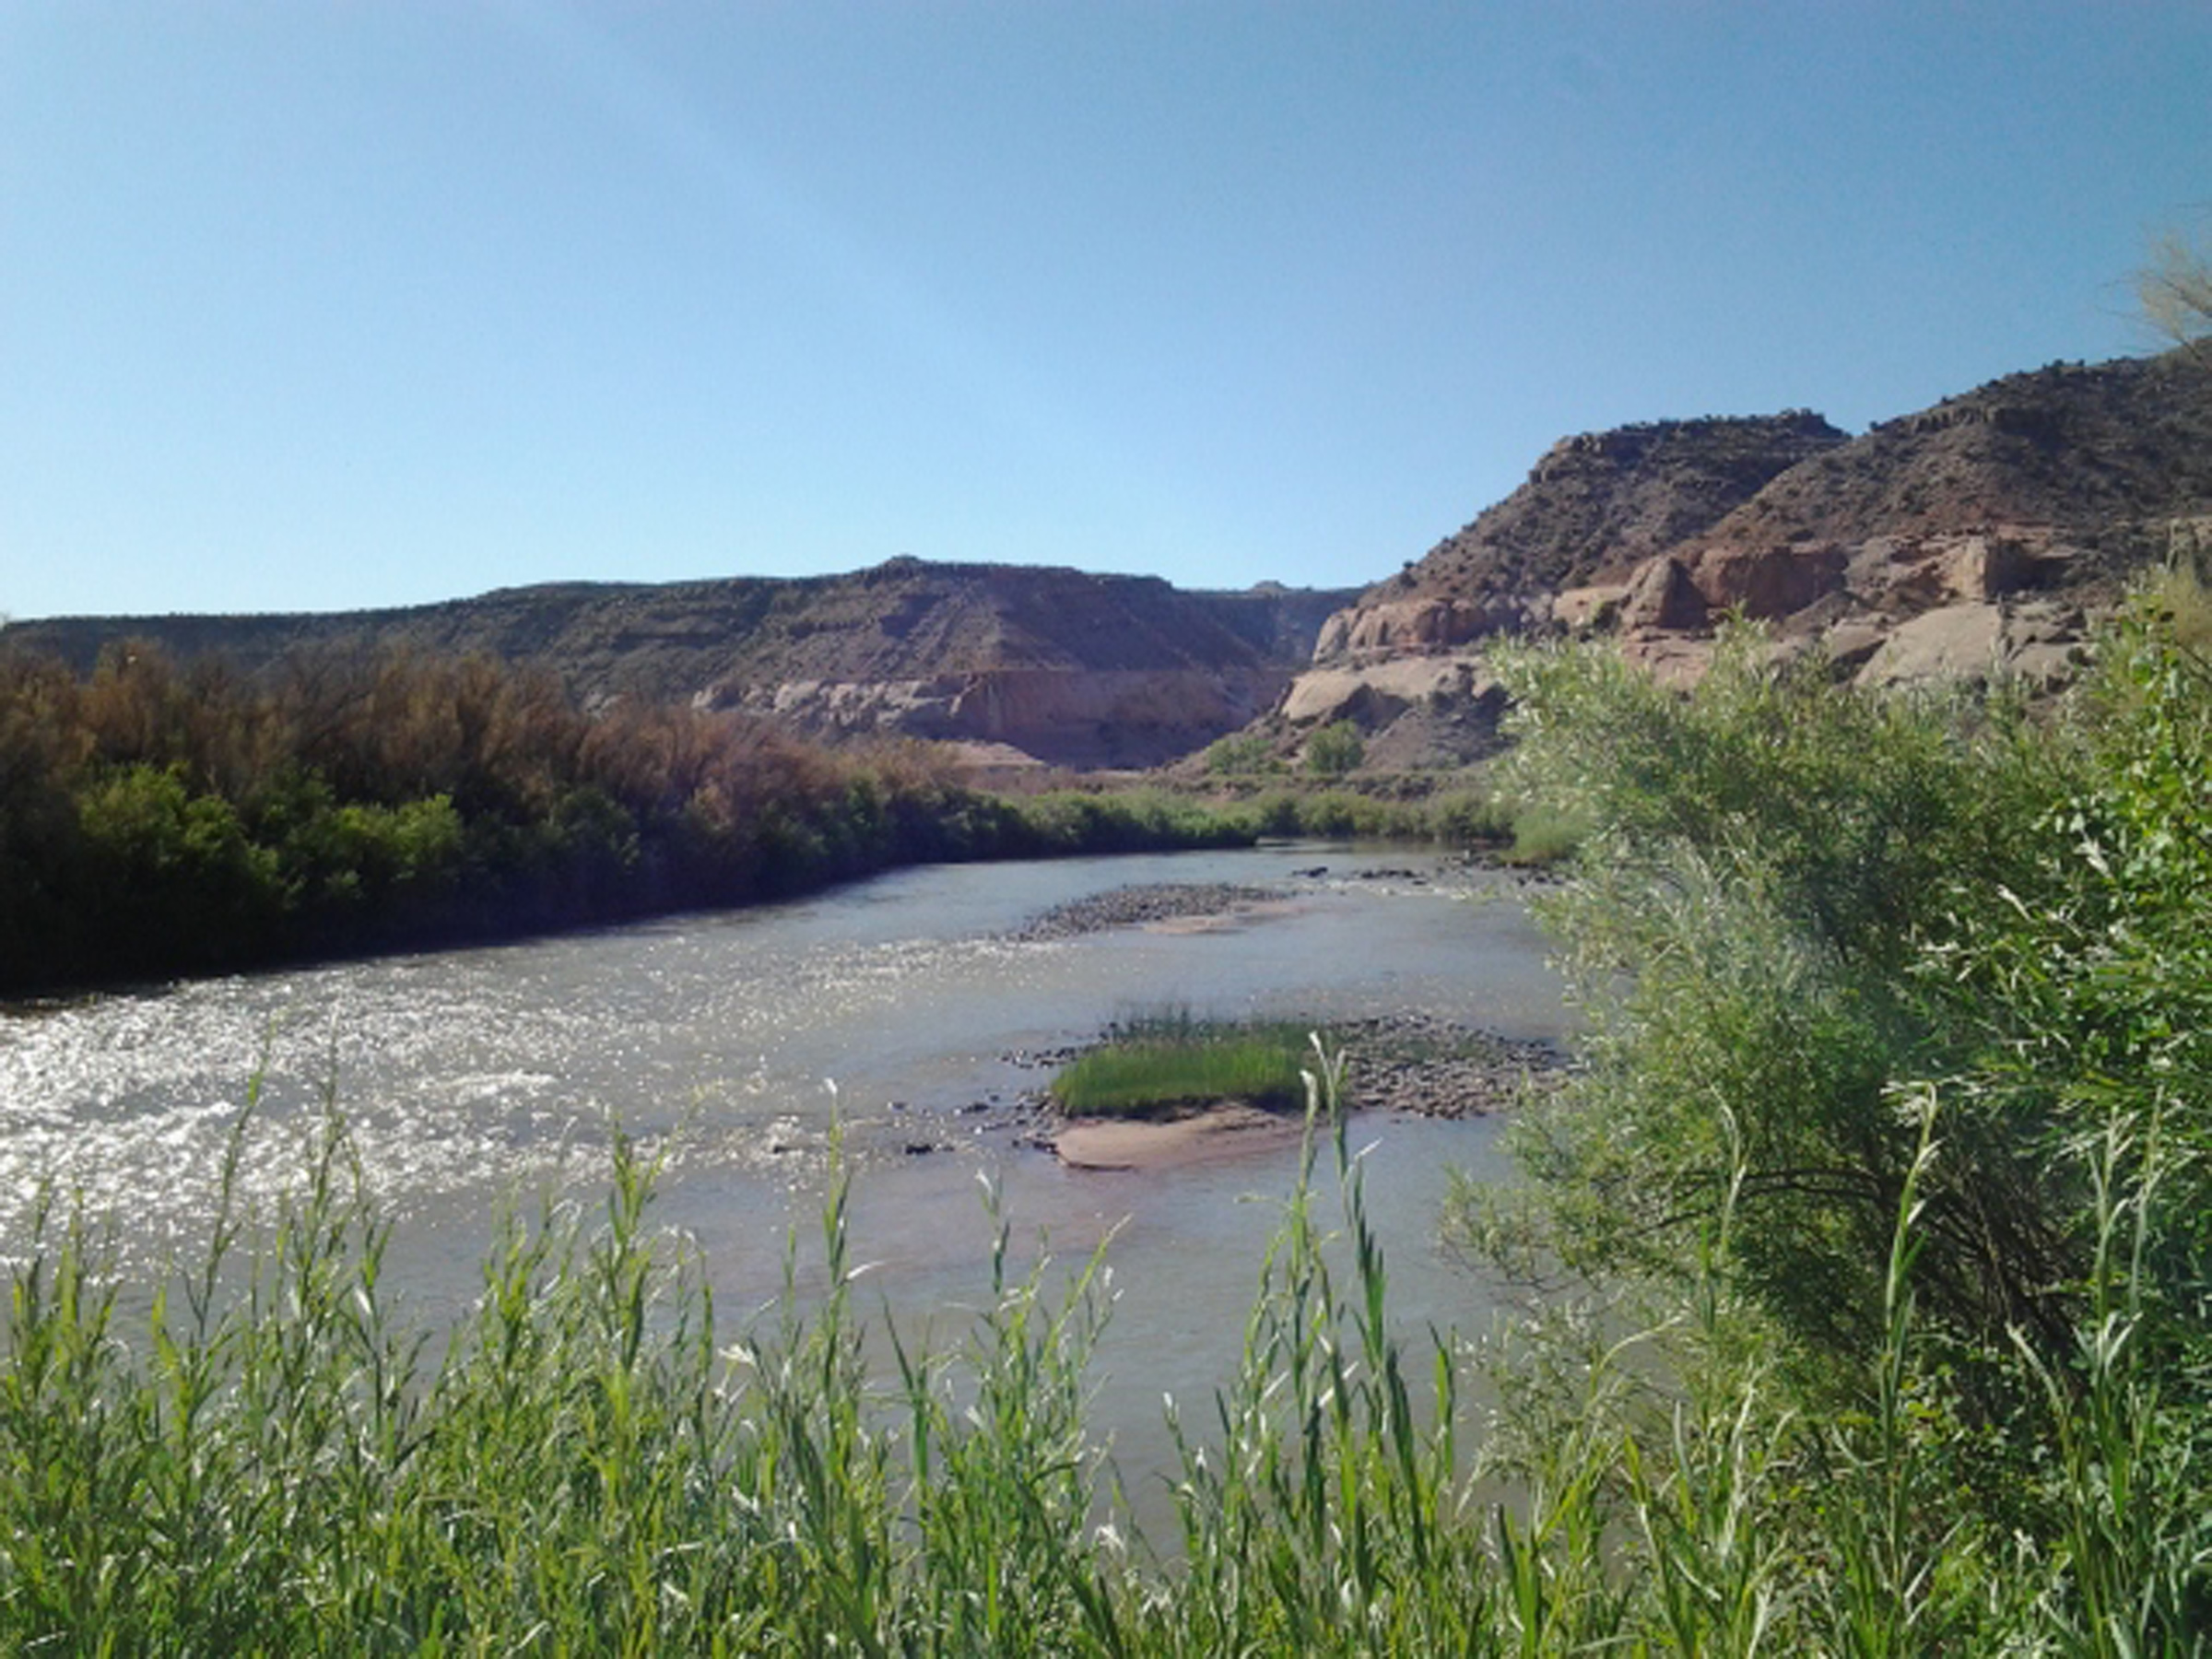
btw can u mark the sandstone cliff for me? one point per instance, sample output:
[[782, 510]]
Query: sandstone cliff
[[1062, 666], [1979, 536]]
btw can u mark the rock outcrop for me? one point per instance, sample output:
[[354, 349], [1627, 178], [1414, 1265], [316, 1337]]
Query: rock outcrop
[[1070, 716], [1976, 538], [1980, 536], [1064, 666], [1596, 506]]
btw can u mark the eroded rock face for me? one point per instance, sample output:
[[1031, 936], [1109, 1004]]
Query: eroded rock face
[[1590, 609], [1074, 667], [1974, 537], [1598, 504], [1909, 573], [1581, 546], [1066, 717], [1378, 693], [1976, 643], [1661, 594], [1768, 584], [1397, 627]]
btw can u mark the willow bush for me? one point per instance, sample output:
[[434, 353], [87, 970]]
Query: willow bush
[[158, 819], [1870, 973]]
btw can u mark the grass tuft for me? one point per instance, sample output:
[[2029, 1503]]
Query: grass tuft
[[1166, 1064]]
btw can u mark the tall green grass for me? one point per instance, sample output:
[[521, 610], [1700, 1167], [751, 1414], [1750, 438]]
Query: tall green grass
[[595, 1462], [1158, 1066]]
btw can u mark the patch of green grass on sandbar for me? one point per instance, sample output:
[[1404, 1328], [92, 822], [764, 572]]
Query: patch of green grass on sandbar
[[1164, 1069]]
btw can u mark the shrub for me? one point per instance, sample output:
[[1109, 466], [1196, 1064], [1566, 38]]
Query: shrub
[[1769, 857], [157, 820], [1335, 749], [1242, 754], [1470, 818]]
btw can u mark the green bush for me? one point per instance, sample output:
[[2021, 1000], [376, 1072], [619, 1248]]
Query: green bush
[[1893, 1116], [1470, 817], [1335, 749], [1772, 859], [167, 875], [1242, 754]]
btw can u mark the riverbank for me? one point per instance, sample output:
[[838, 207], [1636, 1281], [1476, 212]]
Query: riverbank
[[171, 823]]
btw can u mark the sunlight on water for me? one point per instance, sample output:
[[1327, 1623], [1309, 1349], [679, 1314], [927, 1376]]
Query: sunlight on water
[[897, 1011]]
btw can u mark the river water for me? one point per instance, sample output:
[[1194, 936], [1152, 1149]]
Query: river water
[[897, 1009]]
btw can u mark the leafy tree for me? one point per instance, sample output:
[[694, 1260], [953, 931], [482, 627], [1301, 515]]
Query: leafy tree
[[1241, 753]]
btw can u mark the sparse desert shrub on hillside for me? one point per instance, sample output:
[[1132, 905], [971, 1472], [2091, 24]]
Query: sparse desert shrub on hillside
[[1242, 754], [1335, 749]]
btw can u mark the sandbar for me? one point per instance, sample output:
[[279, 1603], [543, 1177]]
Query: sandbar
[[1231, 1129]]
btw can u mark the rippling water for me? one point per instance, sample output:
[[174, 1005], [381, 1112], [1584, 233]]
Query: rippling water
[[471, 1078]]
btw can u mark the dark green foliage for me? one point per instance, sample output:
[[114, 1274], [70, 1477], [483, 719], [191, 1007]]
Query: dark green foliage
[[1772, 858], [156, 821], [1896, 1108], [1240, 754]]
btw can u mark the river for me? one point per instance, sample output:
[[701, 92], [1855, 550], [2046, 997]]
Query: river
[[898, 1008]]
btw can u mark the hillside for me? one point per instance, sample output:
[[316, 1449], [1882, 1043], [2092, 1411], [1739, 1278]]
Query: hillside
[[1599, 502], [2088, 449], [1061, 664], [1980, 535]]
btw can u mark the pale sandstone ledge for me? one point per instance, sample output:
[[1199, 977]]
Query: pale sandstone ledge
[[1231, 1129]]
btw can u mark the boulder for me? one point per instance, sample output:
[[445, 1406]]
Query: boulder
[[1376, 693], [1953, 642], [1903, 573], [1661, 594], [1589, 609], [1672, 659], [1853, 641], [1768, 584]]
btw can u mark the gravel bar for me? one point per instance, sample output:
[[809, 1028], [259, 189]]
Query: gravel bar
[[1134, 906]]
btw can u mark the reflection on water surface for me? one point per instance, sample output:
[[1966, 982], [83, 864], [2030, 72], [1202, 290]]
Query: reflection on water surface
[[474, 1078]]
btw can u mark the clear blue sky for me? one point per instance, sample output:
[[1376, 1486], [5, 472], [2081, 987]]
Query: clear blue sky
[[310, 304]]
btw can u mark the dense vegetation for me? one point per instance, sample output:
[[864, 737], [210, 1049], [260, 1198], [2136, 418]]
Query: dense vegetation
[[1894, 1130], [157, 819], [1873, 1244], [1464, 810]]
